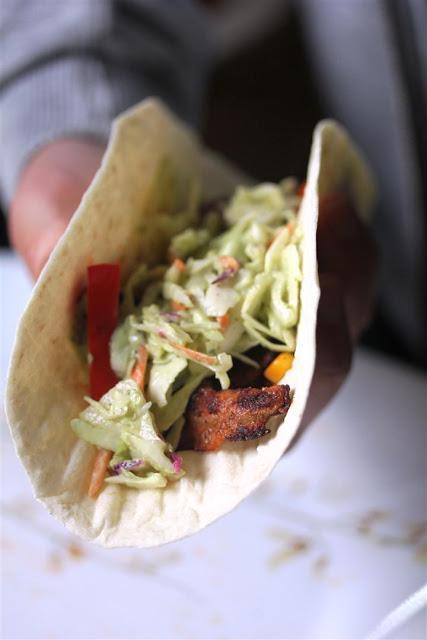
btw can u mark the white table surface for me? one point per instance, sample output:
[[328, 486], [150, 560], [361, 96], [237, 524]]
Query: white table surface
[[335, 539]]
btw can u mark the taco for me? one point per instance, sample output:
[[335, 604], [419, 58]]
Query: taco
[[192, 297]]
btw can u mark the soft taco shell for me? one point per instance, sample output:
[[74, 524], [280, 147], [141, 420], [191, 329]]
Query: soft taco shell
[[148, 167]]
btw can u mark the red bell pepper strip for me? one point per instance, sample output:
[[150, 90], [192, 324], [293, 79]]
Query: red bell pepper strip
[[102, 313]]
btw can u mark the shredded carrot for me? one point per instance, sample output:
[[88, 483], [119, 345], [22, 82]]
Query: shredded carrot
[[177, 306], [179, 264], [280, 365], [140, 368], [301, 189], [289, 227], [275, 235], [228, 262], [103, 456], [224, 322], [197, 356], [100, 465]]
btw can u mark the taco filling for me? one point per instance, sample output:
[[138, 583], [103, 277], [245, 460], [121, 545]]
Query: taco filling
[[190, 354]]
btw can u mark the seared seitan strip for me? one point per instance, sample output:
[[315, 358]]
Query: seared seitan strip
[[235, 414]]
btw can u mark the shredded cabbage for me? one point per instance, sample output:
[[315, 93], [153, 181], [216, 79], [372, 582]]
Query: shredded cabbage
[[173, 436], [167, 415], [123, 347], [151, 480], [219, 299], [162, 376], [261, 297], [121, 421], [226, 294], [188, 242]]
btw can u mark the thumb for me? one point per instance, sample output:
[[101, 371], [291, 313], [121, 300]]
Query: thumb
[[49, 191]]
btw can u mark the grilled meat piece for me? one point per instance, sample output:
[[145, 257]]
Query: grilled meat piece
[[235, 414]]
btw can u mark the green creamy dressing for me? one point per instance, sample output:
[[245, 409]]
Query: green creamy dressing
[[176, 311]]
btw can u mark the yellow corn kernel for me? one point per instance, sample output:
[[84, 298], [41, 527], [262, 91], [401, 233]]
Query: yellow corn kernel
[[280, 365]]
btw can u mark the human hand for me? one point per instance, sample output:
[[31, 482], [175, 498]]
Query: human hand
[[48, 192], [347, 263]]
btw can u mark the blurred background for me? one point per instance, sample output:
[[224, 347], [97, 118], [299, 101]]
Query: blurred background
[[337, 538], [276, 68]]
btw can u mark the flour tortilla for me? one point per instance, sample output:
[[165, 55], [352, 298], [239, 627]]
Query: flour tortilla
[[149, 164]]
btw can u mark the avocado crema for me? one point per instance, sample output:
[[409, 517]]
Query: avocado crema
[[233, 283]]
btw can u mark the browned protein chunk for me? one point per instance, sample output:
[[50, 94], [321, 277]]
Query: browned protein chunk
[[235, 414]]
